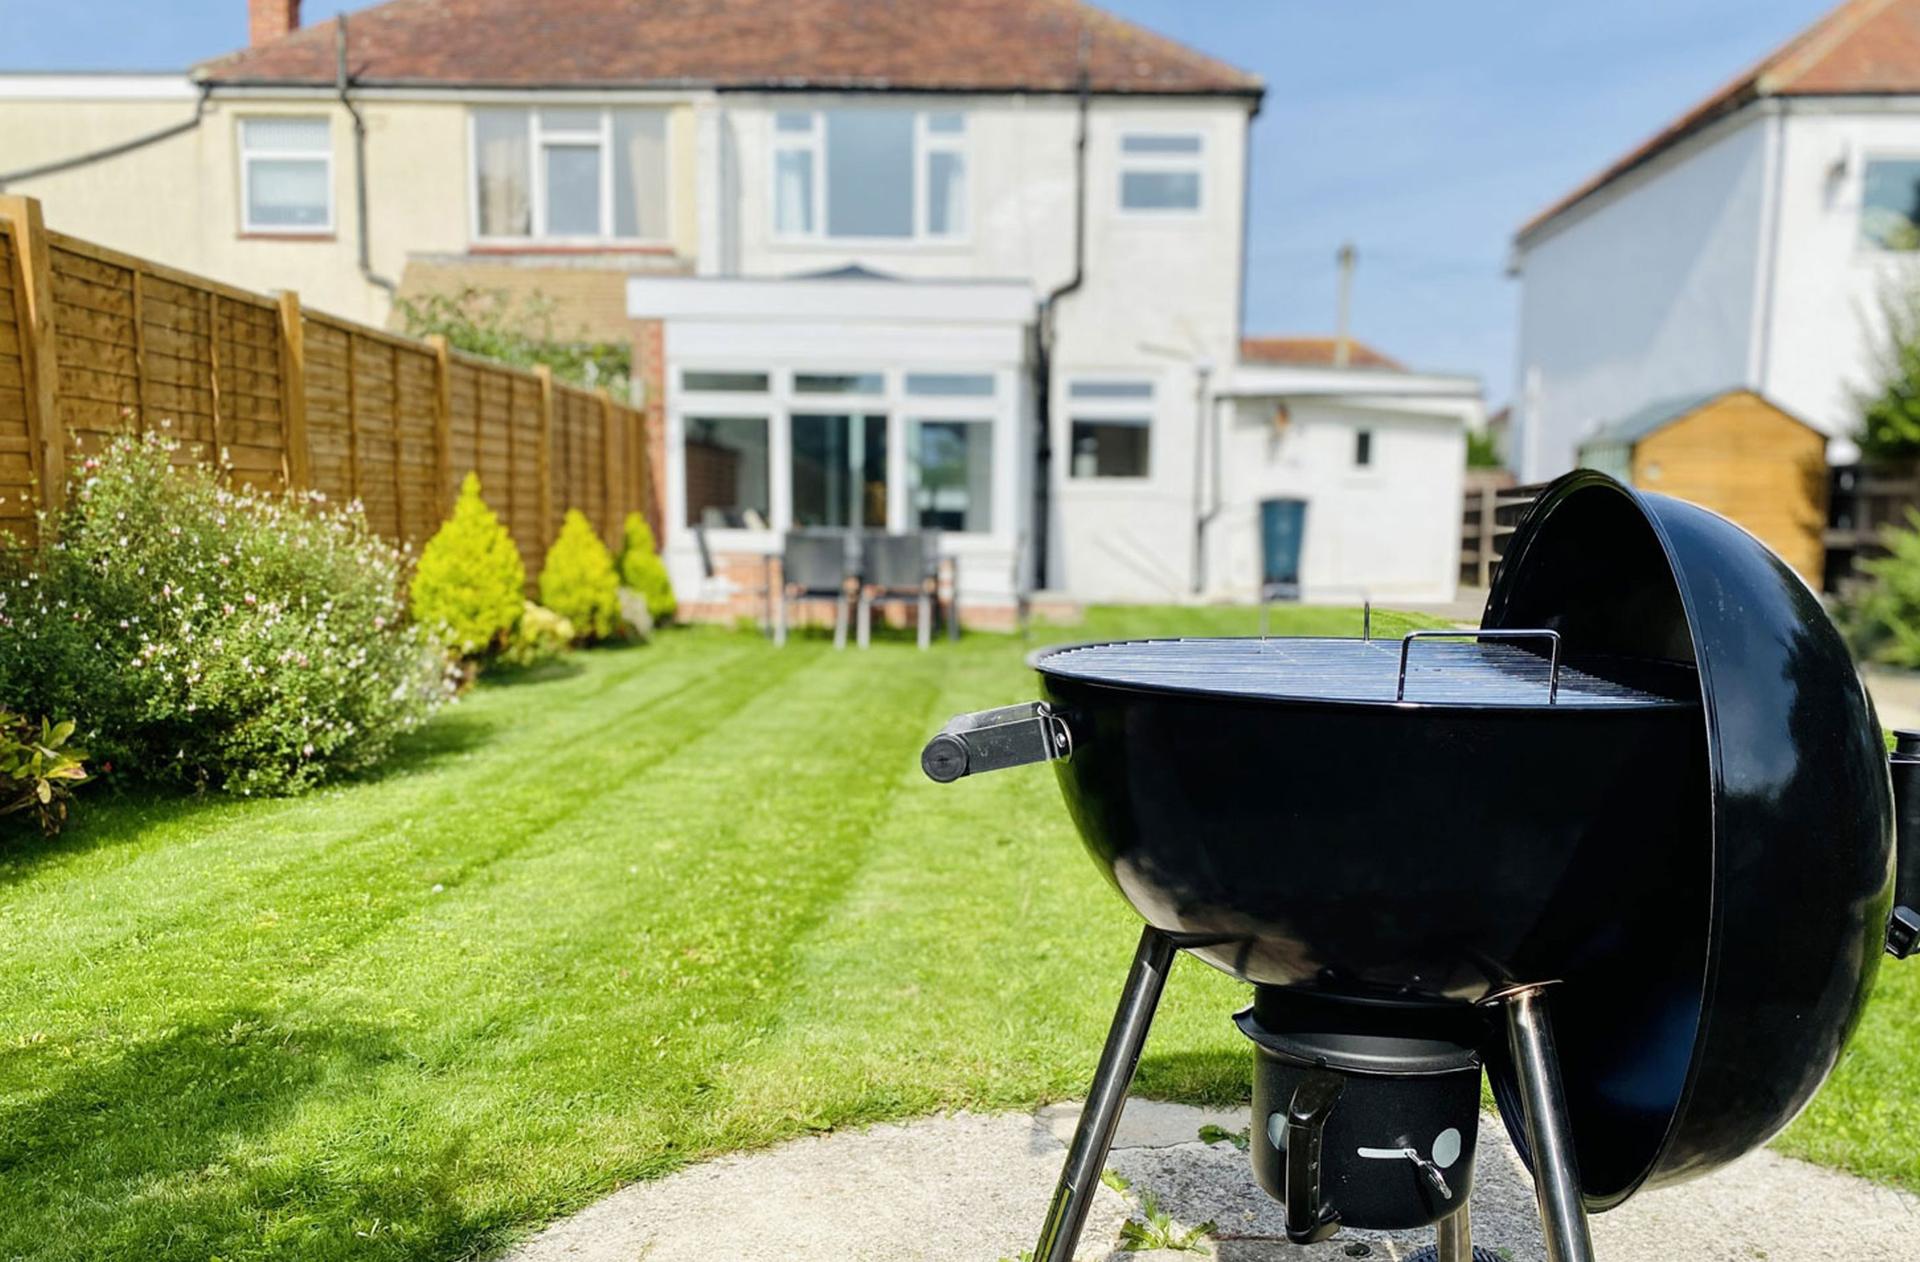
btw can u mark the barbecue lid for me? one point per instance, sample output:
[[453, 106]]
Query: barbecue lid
[[1682, 1054]]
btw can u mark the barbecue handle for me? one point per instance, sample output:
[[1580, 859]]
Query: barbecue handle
[[1308, 1221], [1903, 926], [990, 740]]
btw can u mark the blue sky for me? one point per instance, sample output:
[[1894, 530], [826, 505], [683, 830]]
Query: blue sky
[[1424, 132]]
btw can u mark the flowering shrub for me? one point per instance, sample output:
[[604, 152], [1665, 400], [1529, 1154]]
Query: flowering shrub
[[213, 637], [470, 585], [39, 769], [539, 636], [642, 569], [578, 583]]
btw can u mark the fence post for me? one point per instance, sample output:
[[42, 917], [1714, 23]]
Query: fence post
[[610, 468], [293, 392], [46, 438], [1489, 499], [545, 461], [442, 420]]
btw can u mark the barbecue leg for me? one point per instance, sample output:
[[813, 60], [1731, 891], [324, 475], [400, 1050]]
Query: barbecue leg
[[1080, 1177]]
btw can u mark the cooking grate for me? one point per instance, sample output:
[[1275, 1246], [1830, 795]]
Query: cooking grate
[[1438, 672]]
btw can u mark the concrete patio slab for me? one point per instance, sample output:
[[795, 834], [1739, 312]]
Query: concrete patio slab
[[971, 1188]]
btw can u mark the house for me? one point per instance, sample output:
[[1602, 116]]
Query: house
[[1752, 242], [974, 266], [1732, 451]]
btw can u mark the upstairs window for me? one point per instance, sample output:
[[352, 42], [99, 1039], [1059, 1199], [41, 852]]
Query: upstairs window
[[869, 175], [1890, 205], [570, 174], [1160, 172], [286, 175]]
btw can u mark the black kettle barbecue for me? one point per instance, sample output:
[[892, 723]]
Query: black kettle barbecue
[[1649, 793]]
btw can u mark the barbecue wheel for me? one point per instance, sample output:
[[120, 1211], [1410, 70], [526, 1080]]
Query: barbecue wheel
[[1432, 1254]]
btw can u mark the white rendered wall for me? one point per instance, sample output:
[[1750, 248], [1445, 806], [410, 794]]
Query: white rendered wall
[[1162, 293], [1389, 531], [1647, 292], [1827, 288]]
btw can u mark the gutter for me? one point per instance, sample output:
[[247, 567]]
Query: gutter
[[1044, 338], [341, 82], [115, 150]]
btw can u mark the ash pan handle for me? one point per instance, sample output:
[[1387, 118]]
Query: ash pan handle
[[989, 740]]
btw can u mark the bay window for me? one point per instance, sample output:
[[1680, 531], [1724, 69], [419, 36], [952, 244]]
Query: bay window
[[286, 175], [570, 173], [870, 174]]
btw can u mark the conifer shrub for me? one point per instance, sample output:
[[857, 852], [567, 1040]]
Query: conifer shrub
[[470, 585], [642, 569], [578, 580], [212, 637]]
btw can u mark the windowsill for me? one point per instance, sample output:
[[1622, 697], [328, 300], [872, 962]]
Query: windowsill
[[568, 248], [256, 234]]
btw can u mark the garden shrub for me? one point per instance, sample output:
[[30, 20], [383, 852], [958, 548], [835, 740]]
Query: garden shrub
[[1882, 617], [470, 584], [642, 569], [540, 635], [39, 769], [578, 581], [211, 637]]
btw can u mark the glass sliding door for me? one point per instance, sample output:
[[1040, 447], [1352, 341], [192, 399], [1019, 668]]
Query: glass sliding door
[[950, 464], [839, 470]]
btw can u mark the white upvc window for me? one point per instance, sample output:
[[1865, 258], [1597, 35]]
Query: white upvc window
[[1162, 173], [570, 174], [286, 175], [869, 174], [1109, 427]]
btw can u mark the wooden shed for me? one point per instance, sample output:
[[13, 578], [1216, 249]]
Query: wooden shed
[[1732, 451]]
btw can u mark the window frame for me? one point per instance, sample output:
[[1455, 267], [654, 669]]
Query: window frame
[[926, 143], [1194, 163], [248, 157], [538, 140], [1861, 244], [1138, 410]]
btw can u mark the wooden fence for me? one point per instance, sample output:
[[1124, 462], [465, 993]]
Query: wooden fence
[[1490, 513], [95, 343]]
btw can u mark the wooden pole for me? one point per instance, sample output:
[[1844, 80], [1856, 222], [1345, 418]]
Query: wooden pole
[[393, 434], [353, 416], [293, 393], [46, 437], [140, 347], [611, 466], [213, 384], [545, 462], [444, 487]]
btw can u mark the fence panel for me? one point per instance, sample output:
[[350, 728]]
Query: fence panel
[[95, 343]]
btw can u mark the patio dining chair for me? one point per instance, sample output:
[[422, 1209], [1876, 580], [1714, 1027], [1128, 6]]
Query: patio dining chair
[[818, 565], [898, 568]]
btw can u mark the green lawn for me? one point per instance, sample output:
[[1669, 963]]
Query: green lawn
[[681, 899]]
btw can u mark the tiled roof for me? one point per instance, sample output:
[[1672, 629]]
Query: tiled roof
[[1315, 352], [1863, 47], [952, 45]]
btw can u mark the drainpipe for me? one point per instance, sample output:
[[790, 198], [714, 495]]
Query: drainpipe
[[1203, 430], [359, 160], [1043, 328], [115, 150]]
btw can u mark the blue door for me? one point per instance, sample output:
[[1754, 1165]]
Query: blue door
[[1283, 524]]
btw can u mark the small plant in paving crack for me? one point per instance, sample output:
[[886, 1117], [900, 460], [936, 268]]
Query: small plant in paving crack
[[1211, 1134], [1115, 1180], [1155, 1229]]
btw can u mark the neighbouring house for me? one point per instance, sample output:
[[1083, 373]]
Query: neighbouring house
[[974, 267], [1752, 242], [1732, 451]]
